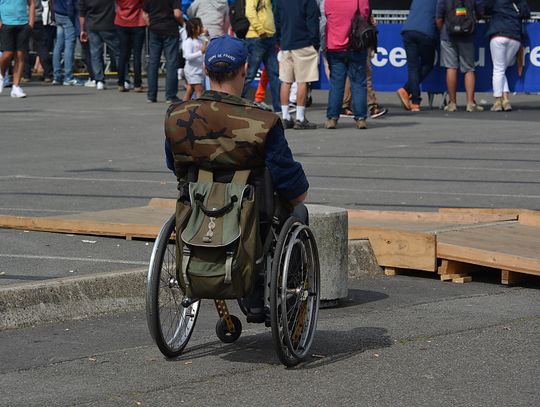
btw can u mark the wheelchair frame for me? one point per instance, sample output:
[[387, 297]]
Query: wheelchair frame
[[291, 295]]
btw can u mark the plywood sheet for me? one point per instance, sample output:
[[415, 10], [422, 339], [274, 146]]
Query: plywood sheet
[[512, 247]]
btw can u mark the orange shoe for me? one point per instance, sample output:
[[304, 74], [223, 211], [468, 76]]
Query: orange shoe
[[403, 96], [414, 107]]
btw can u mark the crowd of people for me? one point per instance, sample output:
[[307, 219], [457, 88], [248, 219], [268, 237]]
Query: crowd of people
[[286, 37]]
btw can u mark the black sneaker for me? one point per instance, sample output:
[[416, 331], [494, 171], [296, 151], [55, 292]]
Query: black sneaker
[[304, 125], [287, 123], [174, 100]]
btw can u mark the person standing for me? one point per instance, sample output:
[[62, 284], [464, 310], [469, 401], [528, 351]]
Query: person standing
[[299, 39], [65, 15], [163, 18], [420, 37], [505, 34], [193, 49], [40, 40], [262, 42], [130, 26], [97, 27], [16, 24], [344, 62], [457, 50], [214, 15]]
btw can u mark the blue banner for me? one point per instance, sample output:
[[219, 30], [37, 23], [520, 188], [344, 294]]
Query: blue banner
[[390, 64]]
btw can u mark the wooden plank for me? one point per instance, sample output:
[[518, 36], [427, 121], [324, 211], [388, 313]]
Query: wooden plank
[[453, 267], [400, 249], [457, 217], [162, 203], [509, 277], [391, 271], [531, 218], [462, 280], [514, 212]]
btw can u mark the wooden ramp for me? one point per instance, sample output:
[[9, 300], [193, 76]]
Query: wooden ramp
[[453, 242], [141, 222]]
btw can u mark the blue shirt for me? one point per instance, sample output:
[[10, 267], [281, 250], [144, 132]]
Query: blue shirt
[[297, 24], [14, 12], [287, 174], [422, 18]]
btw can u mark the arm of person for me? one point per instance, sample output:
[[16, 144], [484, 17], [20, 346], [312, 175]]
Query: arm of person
[[189, 51], [313, 16], [169, 158], [253, 17], [193, 9], [31, 12], [524, 10], [287, 174], [439, 13], [146, 18], [365, 10], [83, 36]]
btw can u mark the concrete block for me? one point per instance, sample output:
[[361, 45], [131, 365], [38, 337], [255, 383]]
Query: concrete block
[[330, 227], [362, 260]]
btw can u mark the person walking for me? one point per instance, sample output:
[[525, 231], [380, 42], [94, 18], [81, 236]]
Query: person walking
[[457, 48], [16, 23], [131, 29], [163, 18], [65, 15], [300, 42], [39, 38], [505, 34], [97, 27], [420, 37], [344, 62]]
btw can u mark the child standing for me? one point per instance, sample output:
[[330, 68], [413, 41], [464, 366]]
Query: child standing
[[193, 49]]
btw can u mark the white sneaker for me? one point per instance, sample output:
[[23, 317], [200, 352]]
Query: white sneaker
[[90, 83], [17, 92], [100, 86], [1, 83], [72, 82], [128, 85]]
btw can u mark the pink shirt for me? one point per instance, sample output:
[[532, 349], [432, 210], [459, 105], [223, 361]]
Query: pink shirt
[[129, 13], [339, 14]]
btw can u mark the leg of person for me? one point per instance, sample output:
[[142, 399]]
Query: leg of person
[[138, 42], [512, 49], [338, 72], [347, 96], [255, 57], [30, 58], [113, 44], [40, 44], [96, 52], [189, 92], [70, 39], [466, 65], [286, 76], [198, 89], [155, 46], [496, 47], [87, 58], [170, 48], [356, 71], [450, 61], [58, 49], [412, 87], [123, 55], [427, 56], [272, 69], [260, 94], [22, 40], [371, 96], [306, 70]]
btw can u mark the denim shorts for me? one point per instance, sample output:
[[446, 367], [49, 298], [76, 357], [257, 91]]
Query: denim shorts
[[458, 54], [15, 37]]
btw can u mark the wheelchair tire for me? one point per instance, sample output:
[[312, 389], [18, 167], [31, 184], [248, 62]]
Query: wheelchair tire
[[170, 323], [294, 292], [223, 332]]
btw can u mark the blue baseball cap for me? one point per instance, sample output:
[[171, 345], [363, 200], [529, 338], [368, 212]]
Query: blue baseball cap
[[231, 50]]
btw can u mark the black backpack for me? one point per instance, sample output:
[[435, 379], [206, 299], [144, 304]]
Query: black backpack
[[459, 19], [237, 16], [362, 35]]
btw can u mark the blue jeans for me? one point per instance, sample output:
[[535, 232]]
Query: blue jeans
[[131, 39], [420, 51], [353, 65], [169, 46], [65, 42], [97, 38], [263, 50]]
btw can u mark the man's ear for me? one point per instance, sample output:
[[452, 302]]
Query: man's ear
[[244, 70], [206, 71]]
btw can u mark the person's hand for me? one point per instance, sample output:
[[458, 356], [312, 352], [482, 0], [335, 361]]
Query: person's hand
[[83, 36], [264, 35], [373, 21], [204, 45], [31, 25]]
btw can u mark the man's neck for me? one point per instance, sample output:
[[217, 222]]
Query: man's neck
[[231, 88]]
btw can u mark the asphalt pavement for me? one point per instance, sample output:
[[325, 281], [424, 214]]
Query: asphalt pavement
[[400, 341]]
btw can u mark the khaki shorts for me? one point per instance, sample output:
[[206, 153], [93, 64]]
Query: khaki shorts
[[299, 65]]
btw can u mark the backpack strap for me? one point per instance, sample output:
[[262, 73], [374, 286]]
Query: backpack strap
[[205, 176], [228, 267], [241, 177], [186, 256]]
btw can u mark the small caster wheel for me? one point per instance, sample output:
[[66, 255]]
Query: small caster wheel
[[223, 333]]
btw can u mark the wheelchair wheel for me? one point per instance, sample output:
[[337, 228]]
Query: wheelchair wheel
[[170, 323], [294, 292]]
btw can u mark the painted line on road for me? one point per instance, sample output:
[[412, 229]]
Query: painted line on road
[[411, 192], [37, 210], [24, 256], [431, 167], [139, 181]]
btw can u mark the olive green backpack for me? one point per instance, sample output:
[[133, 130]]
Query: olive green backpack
[[217, 237]]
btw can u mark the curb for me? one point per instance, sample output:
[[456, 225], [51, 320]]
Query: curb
[[56, 300]]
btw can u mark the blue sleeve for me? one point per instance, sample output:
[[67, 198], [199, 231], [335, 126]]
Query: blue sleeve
[[277, 19], [169, 159], [312, 20], [287, 174], [441, 9]]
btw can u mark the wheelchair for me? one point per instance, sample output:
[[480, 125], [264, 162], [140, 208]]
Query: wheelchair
[[289, 282]]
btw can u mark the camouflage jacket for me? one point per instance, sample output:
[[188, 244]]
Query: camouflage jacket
[[217, 131]]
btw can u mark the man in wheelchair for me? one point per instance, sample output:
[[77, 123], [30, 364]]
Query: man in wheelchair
[[222, 138]]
